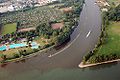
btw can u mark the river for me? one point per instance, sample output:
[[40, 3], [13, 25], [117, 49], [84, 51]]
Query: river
[[63, 65]]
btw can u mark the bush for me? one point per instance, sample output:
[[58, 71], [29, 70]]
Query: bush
[[88, 56], [102, 58], [16, 55], [35, 50], [3, 57]]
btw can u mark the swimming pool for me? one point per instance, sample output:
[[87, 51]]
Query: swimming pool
[[17, 45], [12, 46], [2, 48], [34, 45]]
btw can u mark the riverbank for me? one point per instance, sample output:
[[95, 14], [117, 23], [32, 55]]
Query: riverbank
[[47, 34], [28, 56], [42, 66], [82, 65], [107, 49], [33, 54]]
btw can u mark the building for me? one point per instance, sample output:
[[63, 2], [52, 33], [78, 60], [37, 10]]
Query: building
[[44, 2], [11, 8], [14, 5], [104, 10]]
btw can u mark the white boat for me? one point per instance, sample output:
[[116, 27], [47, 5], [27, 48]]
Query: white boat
[[88, 34]]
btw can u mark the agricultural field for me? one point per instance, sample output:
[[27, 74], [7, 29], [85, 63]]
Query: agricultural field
[[32, 17], [9, 28]]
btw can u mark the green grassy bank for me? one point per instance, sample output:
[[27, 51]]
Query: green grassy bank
[[9, 28]]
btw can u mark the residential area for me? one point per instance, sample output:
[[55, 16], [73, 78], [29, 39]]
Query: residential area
[[14, 5]]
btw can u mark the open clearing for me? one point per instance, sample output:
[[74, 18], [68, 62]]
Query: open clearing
[[112, 44], [9, 28]]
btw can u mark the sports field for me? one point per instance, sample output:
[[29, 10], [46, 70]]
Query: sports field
[[9, 28]]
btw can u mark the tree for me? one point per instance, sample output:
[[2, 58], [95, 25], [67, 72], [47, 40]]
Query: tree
[[3, 57]]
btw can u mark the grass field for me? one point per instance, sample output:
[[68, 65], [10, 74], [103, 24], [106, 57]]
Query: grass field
[[112, 44], [116, 2], [41, 41], [9, 28]]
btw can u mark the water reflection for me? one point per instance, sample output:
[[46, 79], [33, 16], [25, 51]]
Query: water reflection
[[63, 44], [103, 66], [4, 65]]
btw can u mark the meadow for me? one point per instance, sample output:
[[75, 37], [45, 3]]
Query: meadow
[[9, 28], [112, 44], [110, 49]]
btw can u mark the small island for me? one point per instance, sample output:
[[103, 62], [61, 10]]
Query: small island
[[107, 49], [35, 29]]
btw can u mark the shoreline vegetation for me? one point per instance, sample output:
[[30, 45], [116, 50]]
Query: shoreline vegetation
[[48, 33], [82, 65], [28, 56], [107, 49]]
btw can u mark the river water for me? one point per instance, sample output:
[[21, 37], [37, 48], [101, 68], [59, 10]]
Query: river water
[[64, 64]]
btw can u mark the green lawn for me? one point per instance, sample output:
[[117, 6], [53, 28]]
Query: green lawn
[[110, 50], [112, 44], [116, 2], [9, 28], [40, 41]]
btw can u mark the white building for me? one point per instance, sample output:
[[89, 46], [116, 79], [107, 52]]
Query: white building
[[43, 2], [11, 8], [104, 10], [3, 9]]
